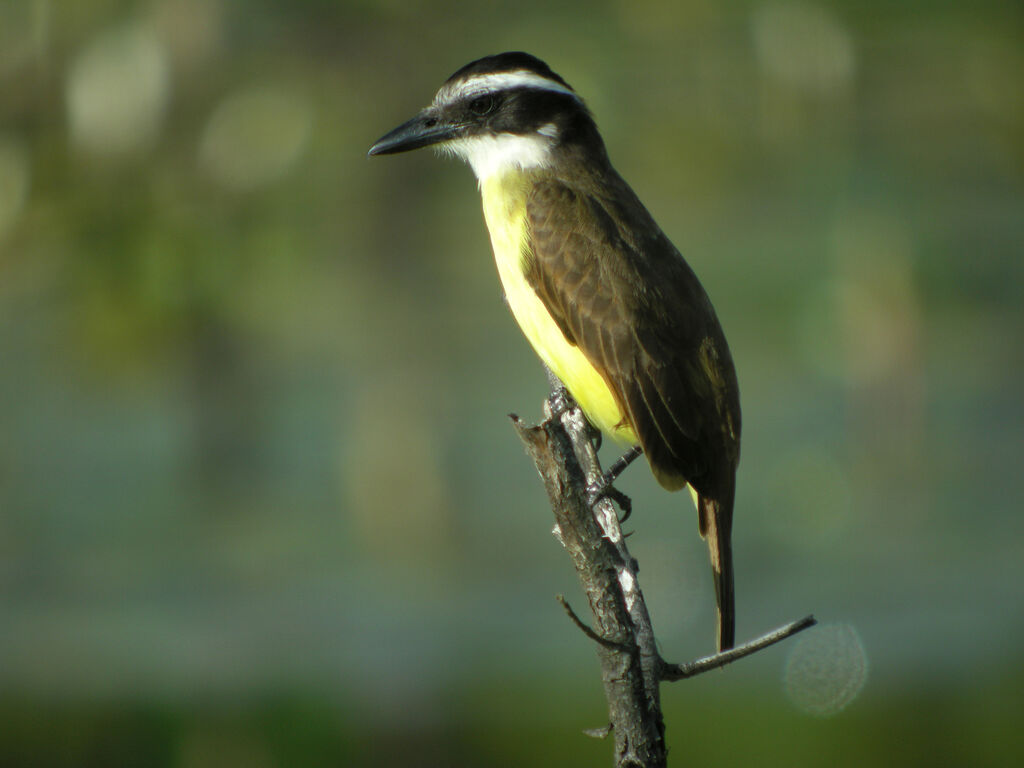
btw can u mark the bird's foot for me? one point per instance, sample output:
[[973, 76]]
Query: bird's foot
[[603, 489], [620, 464]]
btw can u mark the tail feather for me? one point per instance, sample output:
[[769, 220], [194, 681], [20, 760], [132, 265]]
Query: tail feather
[[715, 520]]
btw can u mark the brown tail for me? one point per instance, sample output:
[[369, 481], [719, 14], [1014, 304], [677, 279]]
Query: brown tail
[[715, 519]]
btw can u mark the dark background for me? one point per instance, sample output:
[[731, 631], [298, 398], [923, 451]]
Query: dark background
[[260, 504]]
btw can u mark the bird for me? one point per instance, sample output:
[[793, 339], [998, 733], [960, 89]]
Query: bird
[[603, 296]]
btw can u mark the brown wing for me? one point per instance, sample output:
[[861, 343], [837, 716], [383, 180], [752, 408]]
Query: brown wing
[[620, 291]]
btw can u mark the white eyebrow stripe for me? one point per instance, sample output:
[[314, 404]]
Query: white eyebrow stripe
[[501, 81], [549, 129]]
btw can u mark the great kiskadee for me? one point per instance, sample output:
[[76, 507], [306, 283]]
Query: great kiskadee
[[606, 300]]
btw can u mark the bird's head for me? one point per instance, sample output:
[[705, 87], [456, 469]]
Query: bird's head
[[499, 112]]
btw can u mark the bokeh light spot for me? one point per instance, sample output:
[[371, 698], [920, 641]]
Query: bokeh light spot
[[826, 669], [408, 521], [255, 136], [803, 46], [117, 92], [862, 324]]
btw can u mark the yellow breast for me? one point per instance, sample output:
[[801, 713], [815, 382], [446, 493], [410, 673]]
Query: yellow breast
[[504, 200]]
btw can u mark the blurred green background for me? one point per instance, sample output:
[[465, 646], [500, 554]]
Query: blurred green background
[[260, 503]]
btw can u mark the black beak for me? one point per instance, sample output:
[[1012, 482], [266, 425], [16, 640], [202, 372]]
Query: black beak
[[423, 130]]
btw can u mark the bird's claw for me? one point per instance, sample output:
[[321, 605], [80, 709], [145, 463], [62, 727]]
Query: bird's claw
[[603, 489]]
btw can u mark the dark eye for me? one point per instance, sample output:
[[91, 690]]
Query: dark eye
[[482, 105]]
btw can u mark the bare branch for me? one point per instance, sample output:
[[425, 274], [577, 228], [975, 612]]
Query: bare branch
[[672, 672], [599, 733], [587, 630], [593, 540], [562, 448]]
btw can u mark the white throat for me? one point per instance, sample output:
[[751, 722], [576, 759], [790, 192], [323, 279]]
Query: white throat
[[503, 152]]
